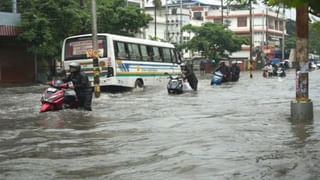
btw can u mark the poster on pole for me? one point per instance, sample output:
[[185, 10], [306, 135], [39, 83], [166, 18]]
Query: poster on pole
[[302, 87]]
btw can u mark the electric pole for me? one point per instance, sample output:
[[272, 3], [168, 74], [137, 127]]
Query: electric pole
[[250, 24], [221, 11], [96, 70], [283, 28], [167, 19], [181, 37]]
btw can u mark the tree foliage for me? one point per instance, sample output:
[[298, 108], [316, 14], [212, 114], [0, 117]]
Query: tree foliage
[[214, 40], [5, 5], [314, 5], [115, 18], [47, 22]]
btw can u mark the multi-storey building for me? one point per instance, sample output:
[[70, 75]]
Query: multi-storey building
[[268, 26]]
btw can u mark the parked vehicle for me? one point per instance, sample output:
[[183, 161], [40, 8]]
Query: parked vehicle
[[58, 97]]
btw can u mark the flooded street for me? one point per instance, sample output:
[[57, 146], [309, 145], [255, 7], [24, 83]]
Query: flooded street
[[234, 131]]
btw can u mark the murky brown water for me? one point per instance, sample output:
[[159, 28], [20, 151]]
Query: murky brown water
[[234, 131]]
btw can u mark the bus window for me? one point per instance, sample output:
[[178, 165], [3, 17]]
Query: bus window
[[76, 48], [150, 53], [156, 54], [134, 52], [144, 53], [121, 50], [173, 56], [166, 55]]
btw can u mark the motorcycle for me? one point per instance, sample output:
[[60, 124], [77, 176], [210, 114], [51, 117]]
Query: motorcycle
[[281, 72], [175, 84], [57, 97], [217, 78]]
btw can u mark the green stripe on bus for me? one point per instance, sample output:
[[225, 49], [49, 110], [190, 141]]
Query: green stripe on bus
[[141, 74]]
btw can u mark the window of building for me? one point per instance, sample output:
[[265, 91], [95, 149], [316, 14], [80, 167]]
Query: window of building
[[270, 23], [174, 11], [242, 21], [281, 25], [197, 16], [276, 25]]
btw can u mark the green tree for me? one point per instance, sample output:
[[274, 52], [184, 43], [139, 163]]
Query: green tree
[[303, 8], [47, 22], [116, 18], [6, 5], [214, 40]]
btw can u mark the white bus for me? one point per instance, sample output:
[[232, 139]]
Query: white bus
[[125, 61]]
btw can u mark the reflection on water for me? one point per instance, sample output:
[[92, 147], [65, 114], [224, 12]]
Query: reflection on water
[[234, 131]]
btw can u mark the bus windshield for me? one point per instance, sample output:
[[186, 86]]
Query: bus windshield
[[76, 48]]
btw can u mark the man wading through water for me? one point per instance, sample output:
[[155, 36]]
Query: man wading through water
[[81, 85]]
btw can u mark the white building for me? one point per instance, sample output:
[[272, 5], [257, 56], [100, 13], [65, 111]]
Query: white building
[[268, 26]]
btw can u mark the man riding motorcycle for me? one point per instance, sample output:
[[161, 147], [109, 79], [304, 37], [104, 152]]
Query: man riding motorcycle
[[81, 85]]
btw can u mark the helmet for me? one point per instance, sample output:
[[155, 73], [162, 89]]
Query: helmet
[[75, 65], [183, 64]]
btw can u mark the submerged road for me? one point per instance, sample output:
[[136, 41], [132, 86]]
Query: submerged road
[[236, 131]]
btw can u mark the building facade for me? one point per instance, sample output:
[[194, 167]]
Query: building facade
[[16, 64], [268, 27]]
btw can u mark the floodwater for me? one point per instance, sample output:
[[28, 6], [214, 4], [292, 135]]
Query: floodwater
[[235, 131]]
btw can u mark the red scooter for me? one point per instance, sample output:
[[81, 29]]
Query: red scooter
[[58, 97]]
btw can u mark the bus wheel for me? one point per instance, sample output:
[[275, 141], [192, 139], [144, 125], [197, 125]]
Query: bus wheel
[[138, 83]]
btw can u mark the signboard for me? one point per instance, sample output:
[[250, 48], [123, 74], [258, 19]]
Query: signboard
[[93, 53]]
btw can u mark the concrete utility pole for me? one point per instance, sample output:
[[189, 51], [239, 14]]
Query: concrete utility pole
[[250, 24], [181, 37], [221, 11], [144, 29], [302, 108], [167, 19], [283, 28], [96, 70], [155, 19]]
